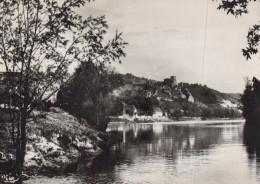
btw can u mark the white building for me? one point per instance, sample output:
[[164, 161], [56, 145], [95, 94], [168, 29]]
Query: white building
[[158, 113]]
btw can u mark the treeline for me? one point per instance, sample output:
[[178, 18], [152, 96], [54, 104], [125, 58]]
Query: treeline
[[175, 109], [145, 105], [251, 102], [202, 94], [207, 113], [86, 95], [182, 108], [220, 112]]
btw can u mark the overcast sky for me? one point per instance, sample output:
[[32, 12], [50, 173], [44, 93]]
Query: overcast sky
[[166, 37]]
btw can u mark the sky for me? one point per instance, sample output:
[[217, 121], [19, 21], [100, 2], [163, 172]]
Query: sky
[[167, 37]]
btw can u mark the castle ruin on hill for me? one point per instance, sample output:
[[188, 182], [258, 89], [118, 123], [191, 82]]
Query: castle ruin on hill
[[172, 82], [184, 93]]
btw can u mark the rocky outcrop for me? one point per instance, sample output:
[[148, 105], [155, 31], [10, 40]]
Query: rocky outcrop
[[188, 95], [59, 139]]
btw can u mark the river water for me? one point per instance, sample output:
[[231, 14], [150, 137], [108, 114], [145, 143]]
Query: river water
[[201, 153]]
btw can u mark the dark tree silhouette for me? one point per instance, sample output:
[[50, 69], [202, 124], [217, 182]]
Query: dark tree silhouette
[[238, 8], [251, 102]]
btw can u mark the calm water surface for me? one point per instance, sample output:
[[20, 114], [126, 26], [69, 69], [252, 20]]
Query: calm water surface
[[169, 153]]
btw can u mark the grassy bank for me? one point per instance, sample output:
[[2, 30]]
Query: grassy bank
[[55, 139]]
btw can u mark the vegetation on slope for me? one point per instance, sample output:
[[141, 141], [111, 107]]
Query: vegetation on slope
[[208, 103], [55, 139]]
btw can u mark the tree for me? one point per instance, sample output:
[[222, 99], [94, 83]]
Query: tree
[[250, 98], [177, 114], [39, 39], [150, 104], [117, 108], [91, 82], [251, 101], [238, 8]]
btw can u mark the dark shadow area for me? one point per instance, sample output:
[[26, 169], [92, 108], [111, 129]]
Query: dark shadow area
[[252, 141], [252, 144]]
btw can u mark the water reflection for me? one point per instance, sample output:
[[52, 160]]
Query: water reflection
[[166, 150], [252, 144], [184, 153], [179, 138], [252, 141]]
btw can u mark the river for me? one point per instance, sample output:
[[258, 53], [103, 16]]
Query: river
[[201, 153]]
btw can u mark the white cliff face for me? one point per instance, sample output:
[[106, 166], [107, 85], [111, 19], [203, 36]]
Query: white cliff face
[[191, 99], [186, 94], [228, 104]]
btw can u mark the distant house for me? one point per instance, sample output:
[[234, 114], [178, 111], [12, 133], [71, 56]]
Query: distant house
[[158, 113], [166, 113], [129, 110]]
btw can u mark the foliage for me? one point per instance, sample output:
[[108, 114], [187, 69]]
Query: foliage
[[206, 102], [145, 104], [251, 101], [238, 8], [39, 40], [195, 110], [177, 114], [117, 108], [149, 86], [85, 94], [202, 94]]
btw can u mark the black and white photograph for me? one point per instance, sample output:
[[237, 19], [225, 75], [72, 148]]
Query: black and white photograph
[[129, 91]]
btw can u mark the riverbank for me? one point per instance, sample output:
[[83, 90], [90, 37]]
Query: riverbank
[[162, 153], [170, 120], [56, 140], [220, 121], [140, 119], [124, 126]]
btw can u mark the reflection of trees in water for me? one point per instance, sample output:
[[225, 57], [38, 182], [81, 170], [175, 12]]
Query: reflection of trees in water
[[102, 168], [252, 141], [170, 140], [252, 144], [193, 139], [166, 142]]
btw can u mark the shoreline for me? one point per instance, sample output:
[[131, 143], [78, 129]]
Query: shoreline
[[164, 120], [210, 121], [200, 122]]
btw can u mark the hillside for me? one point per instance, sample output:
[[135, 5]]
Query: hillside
[[177, 99], [55, 140]]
